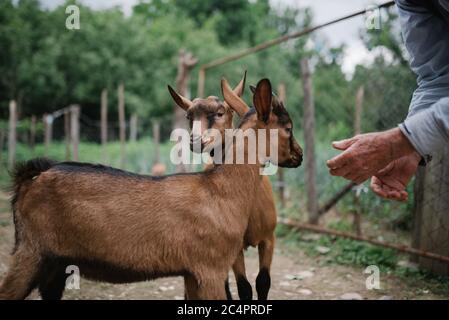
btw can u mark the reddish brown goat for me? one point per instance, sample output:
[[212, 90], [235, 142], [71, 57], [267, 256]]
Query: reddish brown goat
[[262, 221], [122, 227]]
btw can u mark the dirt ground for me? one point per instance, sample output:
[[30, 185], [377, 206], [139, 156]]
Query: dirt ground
[[294, 276]]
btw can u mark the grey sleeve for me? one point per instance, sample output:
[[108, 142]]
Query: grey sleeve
[[428, 130], [425, 36]]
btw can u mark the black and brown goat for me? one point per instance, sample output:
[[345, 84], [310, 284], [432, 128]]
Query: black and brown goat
[[263, 218], [122, 227]]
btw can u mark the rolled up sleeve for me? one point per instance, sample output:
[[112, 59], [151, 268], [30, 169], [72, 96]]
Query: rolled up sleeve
[[425, 34], [428, 130]]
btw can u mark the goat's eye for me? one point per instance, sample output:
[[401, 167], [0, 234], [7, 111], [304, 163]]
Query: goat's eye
[[188, 116], [288, 130], [219, 115]]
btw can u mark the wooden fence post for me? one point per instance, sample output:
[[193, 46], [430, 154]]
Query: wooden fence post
[[33, 132], [104, 123], [75, 130], [281, 184], [2, 141], [67, 132], [186, 62], [358, 110], [309, 142], [12, 133], [48, 132], [122, 124], [133, 128], [158, 168], [431, 218], [201, 82], [357, 222], [156, 140], [418, 200]]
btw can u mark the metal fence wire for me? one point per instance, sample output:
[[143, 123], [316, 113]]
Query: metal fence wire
[[375, 99]]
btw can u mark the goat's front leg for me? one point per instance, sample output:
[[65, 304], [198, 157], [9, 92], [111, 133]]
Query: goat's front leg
[[243, 286], [263, 280]]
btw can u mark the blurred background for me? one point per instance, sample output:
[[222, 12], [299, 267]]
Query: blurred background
[[99, 94]]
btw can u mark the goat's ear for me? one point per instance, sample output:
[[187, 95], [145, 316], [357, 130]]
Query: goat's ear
[[232, 99], [252, 88], [262, 100], [184, 103], [240, 89]]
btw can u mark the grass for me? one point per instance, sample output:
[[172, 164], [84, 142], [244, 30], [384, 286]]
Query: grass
[[356, 253], [139, 155]]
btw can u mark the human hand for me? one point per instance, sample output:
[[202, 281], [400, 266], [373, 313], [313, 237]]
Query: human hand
[[366, 154], [391, 181]]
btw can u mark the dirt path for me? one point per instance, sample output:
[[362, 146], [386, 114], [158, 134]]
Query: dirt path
[[294, 276]]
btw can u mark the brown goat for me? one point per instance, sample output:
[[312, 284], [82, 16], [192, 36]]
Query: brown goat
[[120, 227], [262, 221]]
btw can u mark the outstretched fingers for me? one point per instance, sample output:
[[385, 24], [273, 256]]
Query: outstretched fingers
[[387, 192]]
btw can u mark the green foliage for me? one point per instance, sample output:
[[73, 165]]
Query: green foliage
[[45, 67], [343, 251], [355, 252], [139, 155]]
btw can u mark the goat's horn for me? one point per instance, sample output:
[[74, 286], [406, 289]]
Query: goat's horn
[[232, 99], [180, 100], [240, 89]]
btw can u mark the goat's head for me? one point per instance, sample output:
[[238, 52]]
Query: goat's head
[[269, 113], [206, 114]]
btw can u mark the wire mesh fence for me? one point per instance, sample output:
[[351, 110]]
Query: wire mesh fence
[[374, 98]]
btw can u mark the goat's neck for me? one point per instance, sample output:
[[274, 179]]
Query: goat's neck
[[247, 172]]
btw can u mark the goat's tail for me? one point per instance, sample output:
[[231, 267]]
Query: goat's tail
[[22, 173], [25, 171]]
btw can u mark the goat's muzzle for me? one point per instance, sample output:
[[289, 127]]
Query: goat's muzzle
[[295, 157]]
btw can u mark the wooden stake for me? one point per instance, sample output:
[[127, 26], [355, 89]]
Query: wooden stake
[[75, 131], [2, 141], [48, 132], [33, 133], [186, 62], [309, 139], [358, 110], [357, 218], [12, 133], [281, 184], [133, 128], [104, 123], [201, 82], [156, 141], [431, 219], [67, 133], [122, 124]]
